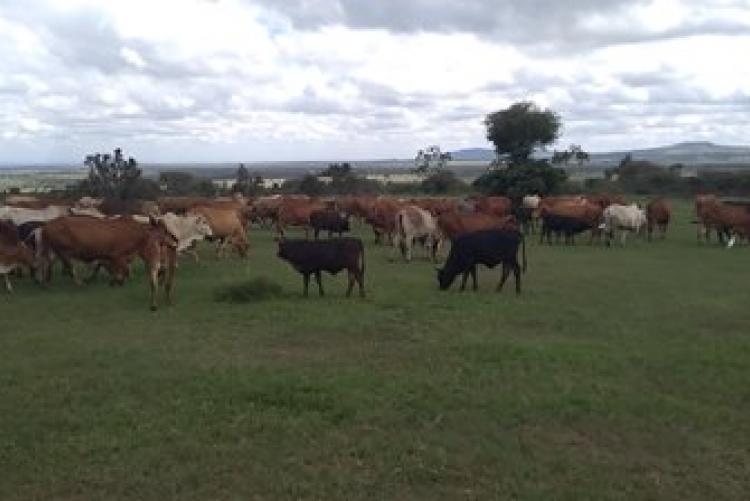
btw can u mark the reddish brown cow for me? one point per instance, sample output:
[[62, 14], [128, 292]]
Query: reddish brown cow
[[454, 224], [112, 242], [571, 218], [658, 213], [382, 218], [13, 253], [495, 206], [296, 212]]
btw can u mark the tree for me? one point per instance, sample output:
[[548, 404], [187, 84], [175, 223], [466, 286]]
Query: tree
[[177, 183], [336, 170], [574, 152], [517, 131], [111, 176], [530, 177], [430, 159], [242, 183]]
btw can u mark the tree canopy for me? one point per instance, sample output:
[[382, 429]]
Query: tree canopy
[[518, 130], [114, 177]]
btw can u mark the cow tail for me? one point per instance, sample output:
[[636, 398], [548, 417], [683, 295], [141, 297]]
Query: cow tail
[[523, 250], [362, 262]]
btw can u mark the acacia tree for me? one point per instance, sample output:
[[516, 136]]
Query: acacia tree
[[114, 177], [520, 129]]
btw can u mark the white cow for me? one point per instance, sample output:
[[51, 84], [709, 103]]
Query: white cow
[[412, 223], [20, 215], [188, 230], [623, 219], [531, 201]]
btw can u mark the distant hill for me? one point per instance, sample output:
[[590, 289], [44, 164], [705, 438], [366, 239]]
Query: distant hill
[[688, 153]]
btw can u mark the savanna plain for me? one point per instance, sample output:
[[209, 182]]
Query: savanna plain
[[618, 373]]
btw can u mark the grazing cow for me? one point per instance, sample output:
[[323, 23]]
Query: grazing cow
[[657, 216], [226, 227], [20, 215], [454, 224], [331, 220], [334, 255], [495, 206], [112, 242], [412, 223], [569, 219], [487, 247], [623, 218]]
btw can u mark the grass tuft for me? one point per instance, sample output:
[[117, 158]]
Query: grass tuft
[[252, 291]]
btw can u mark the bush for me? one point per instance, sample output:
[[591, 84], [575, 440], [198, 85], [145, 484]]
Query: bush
[[443, 182], [519, 180], [255, 290]]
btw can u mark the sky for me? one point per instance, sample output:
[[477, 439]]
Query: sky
[[243, 80]]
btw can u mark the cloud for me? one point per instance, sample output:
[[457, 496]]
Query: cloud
[[187, 79]]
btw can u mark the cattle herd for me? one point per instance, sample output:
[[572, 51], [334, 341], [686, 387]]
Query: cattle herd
[[35, 233]]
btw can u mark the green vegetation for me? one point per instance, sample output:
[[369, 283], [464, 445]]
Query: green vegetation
[[619, 373]]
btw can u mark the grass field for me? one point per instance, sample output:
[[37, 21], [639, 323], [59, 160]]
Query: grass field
[[619, 373]]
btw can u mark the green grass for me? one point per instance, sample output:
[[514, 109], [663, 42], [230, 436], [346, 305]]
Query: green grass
[[618, 374]]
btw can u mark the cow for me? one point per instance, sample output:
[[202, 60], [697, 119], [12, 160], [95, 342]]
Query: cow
[[381, 216], [188, 230], [331, 220], [622, 218], [264, 210], [495, 206], [333, 255], [454, 224], [657, 216], [296, 212], [569, 219], [113, 242], [413, 223], [487, 247], [13, 254], [20, 215], [226, 227]]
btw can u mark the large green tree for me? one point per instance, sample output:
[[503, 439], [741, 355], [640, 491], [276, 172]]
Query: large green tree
[[520, 129]]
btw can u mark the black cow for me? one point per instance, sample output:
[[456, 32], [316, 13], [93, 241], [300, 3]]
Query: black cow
[[311, 257], [330, 220], [487, 247], [568, 226]]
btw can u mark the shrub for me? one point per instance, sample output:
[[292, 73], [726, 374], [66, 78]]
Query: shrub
[[252, 291]]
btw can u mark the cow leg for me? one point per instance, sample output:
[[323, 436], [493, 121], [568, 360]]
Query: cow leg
[[8, 287], [305, 283], [464, 278], [320, 283], [517, 276], [169, 266], [351, 274], [503, 278], [316, 232]]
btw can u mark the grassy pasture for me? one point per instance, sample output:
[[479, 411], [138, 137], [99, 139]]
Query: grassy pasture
[[618, 374]]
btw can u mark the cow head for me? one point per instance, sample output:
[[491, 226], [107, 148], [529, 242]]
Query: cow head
[[201, 226], [444, 278]]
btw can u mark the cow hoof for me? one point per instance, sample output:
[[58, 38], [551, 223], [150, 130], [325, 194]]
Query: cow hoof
[[154, 308]]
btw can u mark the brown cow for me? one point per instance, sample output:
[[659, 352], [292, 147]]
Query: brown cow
[[570, 218], [112, 242], [296, 212], [658, 214], [454, 224], [382, 218], [226, 227], [495, 206], [13, 253]]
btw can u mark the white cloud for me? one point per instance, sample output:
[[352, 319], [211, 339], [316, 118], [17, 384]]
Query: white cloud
[[233, 79]]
